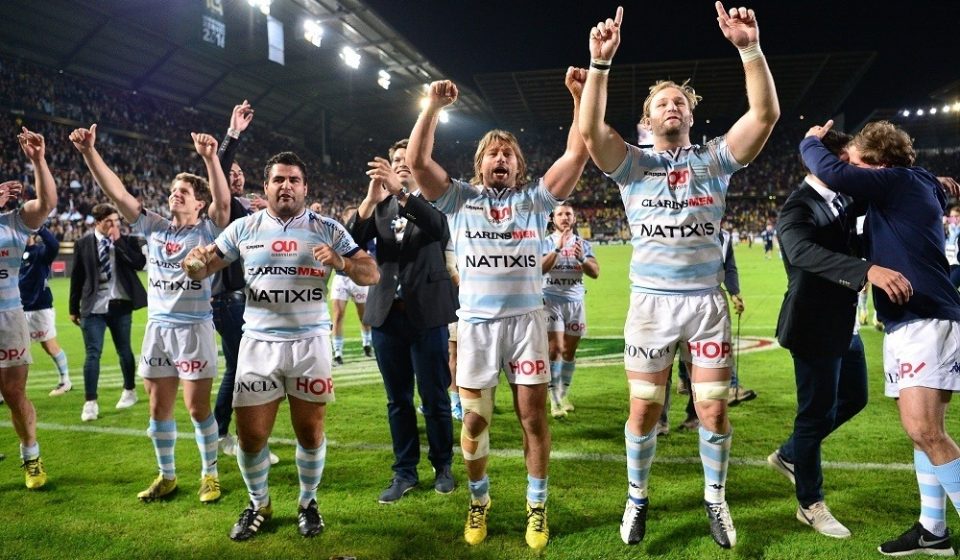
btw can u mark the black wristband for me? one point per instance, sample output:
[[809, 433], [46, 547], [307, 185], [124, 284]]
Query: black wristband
[[599, 66]]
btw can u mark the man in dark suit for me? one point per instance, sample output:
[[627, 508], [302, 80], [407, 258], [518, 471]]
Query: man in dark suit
[[817, 234], [104, 292], [409, 311]]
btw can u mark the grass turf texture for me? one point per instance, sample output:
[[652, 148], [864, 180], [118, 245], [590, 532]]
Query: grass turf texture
[[89, 508]]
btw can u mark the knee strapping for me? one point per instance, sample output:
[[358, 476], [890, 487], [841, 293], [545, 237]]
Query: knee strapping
[[646, 391], [711, 390], [482, 407]]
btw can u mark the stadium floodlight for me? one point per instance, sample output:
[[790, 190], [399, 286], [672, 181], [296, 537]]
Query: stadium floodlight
[[946, 109], [350, 57], [956, 106], [444, 116], [383, 79], [933, 110], [264, 5], [906, 113], [313, 32], [919, 112]]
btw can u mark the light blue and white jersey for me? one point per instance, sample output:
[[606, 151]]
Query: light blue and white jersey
[[286, 286], [172, 297], [674, 201], [13, 242], [497, 237], [564, 282]]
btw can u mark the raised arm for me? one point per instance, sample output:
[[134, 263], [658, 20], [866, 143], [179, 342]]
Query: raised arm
[[564, 173], [35, 212], [239, 121], [432, 179], [219, 210], [84, 140], [51, 247], [748, 135], [604, 144]]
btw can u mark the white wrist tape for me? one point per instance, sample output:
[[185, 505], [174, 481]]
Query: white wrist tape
[[750, 52]]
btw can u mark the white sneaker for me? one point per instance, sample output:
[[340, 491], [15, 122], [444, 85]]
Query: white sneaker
[[228, 445], [91, 411], [61, 388], [273, 458], [819, 517], [127, 399], [781, 465], [556, 410]]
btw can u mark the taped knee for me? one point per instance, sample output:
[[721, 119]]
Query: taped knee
[[482, 407], [711, 390], [646, 391]]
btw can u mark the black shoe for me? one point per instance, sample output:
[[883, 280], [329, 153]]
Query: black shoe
[[368, 351], [309, 521], [338, 360], [398, 487], [443, 483], [250, 521], [721, 524], [633, 526], [918, 540]]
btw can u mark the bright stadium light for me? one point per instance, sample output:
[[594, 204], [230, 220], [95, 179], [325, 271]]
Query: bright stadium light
[[312, 32], [919, 112], [906, 113], [264, 5], [444, 116], [946, 109], [424, 101], [383, 79], [933, 110], [956, 106], [350, 57]]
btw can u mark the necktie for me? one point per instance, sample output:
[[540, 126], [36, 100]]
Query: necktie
[[103, 252], [841, 212]]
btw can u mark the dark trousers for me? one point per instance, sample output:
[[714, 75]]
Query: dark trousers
[[830, 391], [406, 353], [955, 275], [118, 319], [228, 320]]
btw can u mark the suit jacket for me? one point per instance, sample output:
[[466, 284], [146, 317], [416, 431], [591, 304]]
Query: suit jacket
[[85, 278], [824, 274], [416, 264]]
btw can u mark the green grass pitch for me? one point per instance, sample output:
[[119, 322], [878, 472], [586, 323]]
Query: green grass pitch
[[89, 508]]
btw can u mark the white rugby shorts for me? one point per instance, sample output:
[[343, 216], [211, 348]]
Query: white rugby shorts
[[922, 353], [268, 370], [14, 339], [185, 351], [657, 323], [517, 345], [42, 324], [344, 289], [568, 317]]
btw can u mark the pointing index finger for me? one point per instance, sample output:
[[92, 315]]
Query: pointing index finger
[[721, 11], [826, 127], [618, 19]]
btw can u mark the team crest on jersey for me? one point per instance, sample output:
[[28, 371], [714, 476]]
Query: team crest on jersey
[[500, 215], [172, 247]]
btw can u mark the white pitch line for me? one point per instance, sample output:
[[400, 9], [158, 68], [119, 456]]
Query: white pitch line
[[504, 453]]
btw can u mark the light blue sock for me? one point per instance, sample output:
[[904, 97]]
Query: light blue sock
[[163, 434], [454, 398], [715, 456], [933, 500], [949, 476], [62, 367], [310, 464], [254, 468], [640, 453], [566, 376], [366, 337], [29, 453], [536, 490], [206, 434], [555, 381], [338, 346], [480, 489]]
